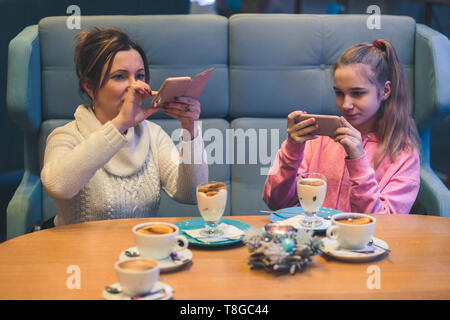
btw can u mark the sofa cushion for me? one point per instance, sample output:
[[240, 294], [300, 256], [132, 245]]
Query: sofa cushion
[[256, 143]]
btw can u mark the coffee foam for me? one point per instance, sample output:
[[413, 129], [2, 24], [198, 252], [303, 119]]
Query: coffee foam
[[156, 229], [354, 220], [138, 264], [211, 189], [315, 182]]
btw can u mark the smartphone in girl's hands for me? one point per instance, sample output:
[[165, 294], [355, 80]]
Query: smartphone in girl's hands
[[327, 125]]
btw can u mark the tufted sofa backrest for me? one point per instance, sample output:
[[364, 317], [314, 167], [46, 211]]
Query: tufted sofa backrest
[[266, 67]]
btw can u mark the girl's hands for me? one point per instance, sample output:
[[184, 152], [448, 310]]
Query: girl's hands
[[300, 132], [186, 110], [347, 135], [131, 113], [350, 139]]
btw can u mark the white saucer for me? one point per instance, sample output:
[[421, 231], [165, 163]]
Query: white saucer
[[295, 222], [167, 264], [331, 248], [122, 296]]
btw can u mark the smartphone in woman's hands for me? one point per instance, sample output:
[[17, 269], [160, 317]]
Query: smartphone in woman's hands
[[171, 89], [180, 87]]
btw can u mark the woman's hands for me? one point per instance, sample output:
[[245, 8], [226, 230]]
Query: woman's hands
[[350, 139], [300, 132], [131, 113], [187, 111]]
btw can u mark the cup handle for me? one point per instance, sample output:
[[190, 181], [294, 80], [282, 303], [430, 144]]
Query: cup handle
[[184, 242], [332, 232]]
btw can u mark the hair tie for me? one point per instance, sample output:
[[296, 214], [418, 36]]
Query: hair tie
[[380, 45]]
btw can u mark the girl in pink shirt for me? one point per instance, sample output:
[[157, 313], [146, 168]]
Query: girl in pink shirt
[[372, 162]]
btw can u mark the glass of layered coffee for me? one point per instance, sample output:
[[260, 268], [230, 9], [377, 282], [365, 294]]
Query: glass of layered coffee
[[311, 191], [212, 200]]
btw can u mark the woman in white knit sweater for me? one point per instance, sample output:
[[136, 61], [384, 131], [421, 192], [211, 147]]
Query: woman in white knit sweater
[[110, 162]]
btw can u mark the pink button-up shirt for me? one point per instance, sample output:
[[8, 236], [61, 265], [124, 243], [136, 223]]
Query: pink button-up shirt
[[352, 184]]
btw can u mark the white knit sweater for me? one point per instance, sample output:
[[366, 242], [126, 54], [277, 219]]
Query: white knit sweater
[[93, 172]]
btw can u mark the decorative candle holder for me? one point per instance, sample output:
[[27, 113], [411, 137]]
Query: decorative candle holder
[[281, 248]]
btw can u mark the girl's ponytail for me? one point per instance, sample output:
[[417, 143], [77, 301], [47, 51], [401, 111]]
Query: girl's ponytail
[[396, 124]]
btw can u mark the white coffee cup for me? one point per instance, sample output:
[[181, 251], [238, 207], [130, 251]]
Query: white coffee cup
[[351, 236], [137, 276], [158, 246]]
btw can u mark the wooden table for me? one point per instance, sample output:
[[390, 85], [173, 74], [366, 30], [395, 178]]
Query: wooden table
[[38, 265]]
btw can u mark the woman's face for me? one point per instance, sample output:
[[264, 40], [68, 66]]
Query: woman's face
[[127, 67], [357, 98]]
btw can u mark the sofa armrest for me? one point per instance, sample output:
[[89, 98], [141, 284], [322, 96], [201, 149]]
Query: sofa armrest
[[431, 76], [23, 92], [433, 194], [24, 209]]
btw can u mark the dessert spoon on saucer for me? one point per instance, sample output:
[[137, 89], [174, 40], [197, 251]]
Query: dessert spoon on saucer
[[371, 243]]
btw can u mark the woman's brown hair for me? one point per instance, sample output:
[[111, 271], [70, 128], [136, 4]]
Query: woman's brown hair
[[96, 48], [395, 129]]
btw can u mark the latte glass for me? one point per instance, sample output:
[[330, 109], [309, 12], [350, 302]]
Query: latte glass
[[311, 191], [212, 200]]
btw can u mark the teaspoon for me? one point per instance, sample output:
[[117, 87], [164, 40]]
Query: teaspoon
[[132, 254], [371, 243]]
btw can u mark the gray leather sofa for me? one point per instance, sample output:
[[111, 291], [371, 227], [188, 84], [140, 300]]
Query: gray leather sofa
[[266, 66], [17, 14]]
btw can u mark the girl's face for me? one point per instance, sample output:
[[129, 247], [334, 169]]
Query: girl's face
[[357, 98], [127, 67]]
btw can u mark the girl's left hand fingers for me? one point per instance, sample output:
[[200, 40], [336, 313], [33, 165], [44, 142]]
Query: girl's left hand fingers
[[338, 138], [347, 128], [352, 145], [347, 139], [345, 123], [345, 131]]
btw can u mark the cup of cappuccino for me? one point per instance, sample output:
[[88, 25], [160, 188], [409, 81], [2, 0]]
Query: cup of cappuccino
[[137, 276], [351, 230], [156, 240]]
